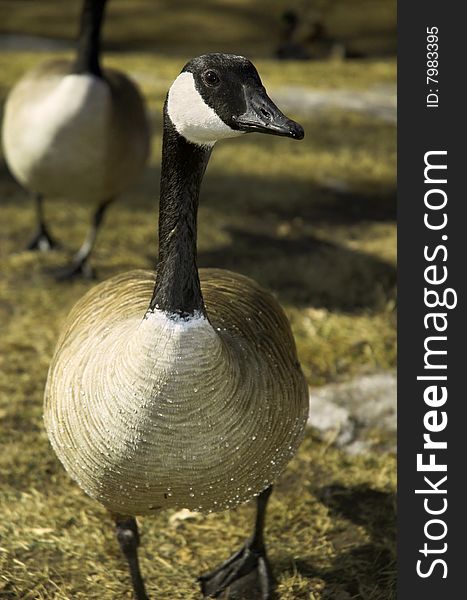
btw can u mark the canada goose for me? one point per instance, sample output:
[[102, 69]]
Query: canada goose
[[76, 130], [183, 388]]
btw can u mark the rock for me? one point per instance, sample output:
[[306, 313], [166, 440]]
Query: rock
[[379, 101], [345, 413], [332, 421]]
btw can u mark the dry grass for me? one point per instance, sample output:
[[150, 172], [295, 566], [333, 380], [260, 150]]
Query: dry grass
[[330, 531], [268, 211], [187, 27]]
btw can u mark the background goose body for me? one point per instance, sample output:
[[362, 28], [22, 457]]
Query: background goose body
[[75, 130], [69, 134], [201, 414]]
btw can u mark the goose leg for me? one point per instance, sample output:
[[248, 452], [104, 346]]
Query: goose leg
[[79, 265], [128, 538], [251, 560], [42, 240]]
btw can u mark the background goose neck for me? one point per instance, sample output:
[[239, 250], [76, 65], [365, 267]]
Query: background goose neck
[[88, 51], [178, 288]]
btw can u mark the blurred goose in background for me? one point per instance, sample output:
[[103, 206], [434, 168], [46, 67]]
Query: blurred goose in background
[[182, 388], [76, 130]]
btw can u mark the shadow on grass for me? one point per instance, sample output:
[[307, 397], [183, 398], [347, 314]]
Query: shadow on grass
[[276, 241], [307, 270], [303, 268], [288, 198], [368, 570]]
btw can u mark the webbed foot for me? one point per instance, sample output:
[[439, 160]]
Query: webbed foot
[[42, 241], [74, 270], [247, 570]]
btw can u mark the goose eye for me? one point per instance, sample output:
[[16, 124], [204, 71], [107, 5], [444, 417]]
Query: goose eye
[[211, 78]]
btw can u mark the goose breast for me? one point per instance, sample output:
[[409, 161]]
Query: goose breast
[[75, 135], [149, 413]]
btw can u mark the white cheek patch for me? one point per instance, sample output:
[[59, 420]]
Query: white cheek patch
[[192, 117]]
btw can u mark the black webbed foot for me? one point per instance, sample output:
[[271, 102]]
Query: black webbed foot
[[244, 573], [42, 241], [74, 270]]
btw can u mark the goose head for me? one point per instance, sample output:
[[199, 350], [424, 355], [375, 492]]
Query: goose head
[[218, 96]]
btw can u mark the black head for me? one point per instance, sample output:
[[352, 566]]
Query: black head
[[221, 95]]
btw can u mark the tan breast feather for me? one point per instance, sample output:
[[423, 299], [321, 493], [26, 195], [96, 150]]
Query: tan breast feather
[[149, 412]]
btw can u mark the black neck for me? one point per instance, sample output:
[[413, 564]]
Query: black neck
[[177, 287], [87, 56]]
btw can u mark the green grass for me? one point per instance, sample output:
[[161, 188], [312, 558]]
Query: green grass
[[267, 210]]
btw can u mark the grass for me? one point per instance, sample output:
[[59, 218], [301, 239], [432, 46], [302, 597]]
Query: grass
[[241, 26], [330, 531], [270, 208]]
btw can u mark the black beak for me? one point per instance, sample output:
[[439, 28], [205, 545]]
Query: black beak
[[263, 116]]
